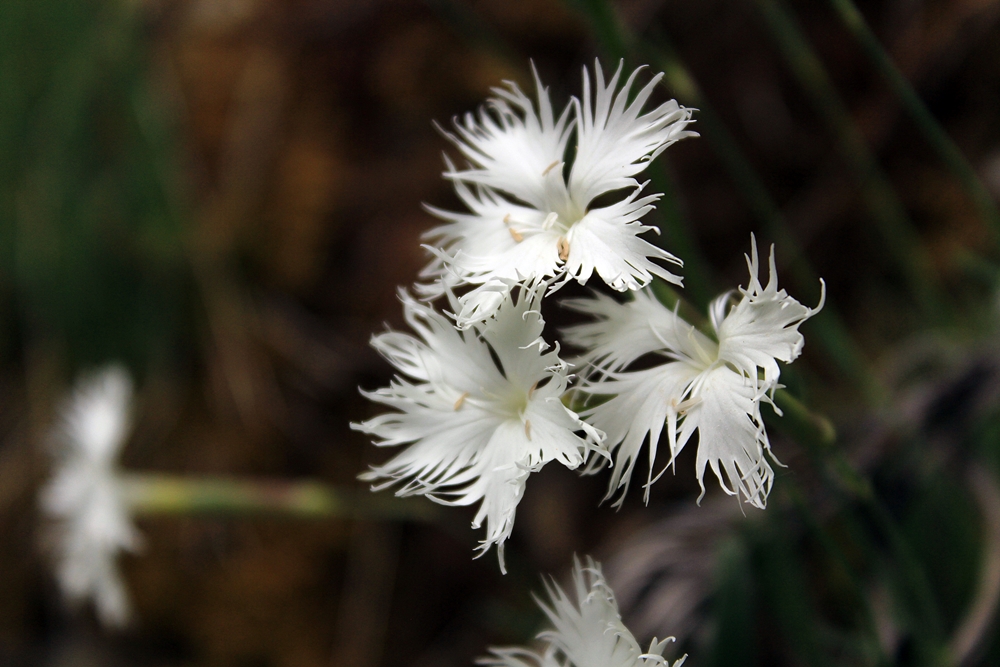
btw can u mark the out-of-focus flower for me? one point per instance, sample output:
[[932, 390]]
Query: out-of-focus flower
[[527, 219], [482, 409], [585, 632], [711, 386], [84, 495]]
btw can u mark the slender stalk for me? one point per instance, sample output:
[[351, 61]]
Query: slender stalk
[[884, 207], [159, 494], [926, 123], [801, 423]]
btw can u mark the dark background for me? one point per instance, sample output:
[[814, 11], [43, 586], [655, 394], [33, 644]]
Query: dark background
[[225, 195]]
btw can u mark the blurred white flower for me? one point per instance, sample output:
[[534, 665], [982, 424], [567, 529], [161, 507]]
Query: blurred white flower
[[84, 495], [482, 409], [586, 632], [529, 221], [713, 387]]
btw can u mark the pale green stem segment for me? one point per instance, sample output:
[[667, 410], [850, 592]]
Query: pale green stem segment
[[803, 424], [161, 494], [829, 328], [884, 207], [926, 123]]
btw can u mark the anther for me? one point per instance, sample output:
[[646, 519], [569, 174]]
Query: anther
[[461, 400], [527, 428], [550, 168], [563, 246], [532, 390], [516, 235]]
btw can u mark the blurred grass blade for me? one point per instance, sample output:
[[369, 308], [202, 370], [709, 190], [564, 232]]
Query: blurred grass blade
[[926, 123], [734, 607], [884, 207], [787, 594], [842, 571]]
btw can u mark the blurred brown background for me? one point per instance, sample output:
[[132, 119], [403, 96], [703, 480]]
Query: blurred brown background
[[300, 147]]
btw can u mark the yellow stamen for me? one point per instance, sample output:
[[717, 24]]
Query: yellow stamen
[[532, 390], [527, 428], [461, 400], [550, 168], [516, 235]]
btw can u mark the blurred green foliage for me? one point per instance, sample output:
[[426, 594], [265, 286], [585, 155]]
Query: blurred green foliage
[[91, 242]]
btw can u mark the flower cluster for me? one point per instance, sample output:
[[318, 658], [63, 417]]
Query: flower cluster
[[84, 497], [482, 401], [587, 632]]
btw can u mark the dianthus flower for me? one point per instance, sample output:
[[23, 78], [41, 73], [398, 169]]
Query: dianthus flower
[[714, 387], [84, 496], [587, 632], [481, 408], [531, 219]]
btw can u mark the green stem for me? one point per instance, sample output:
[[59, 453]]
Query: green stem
[[880, 199], [801, 424], [926, 123], [160, 494]]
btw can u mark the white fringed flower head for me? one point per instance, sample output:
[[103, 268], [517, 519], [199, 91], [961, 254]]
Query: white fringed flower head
[[84, 495], [585, 632], [480, 408], [711, 386], [526, 220]]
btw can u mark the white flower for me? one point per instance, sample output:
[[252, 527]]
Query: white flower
[[84, 495], [526, 220], [711, 387], [482, 409], [586, 632]]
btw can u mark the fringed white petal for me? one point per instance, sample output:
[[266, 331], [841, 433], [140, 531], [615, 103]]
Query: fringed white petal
[[514, 147], [606, 241], [642, 403], [620, 332], [763, 327], [615, 142], [731, 436]]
